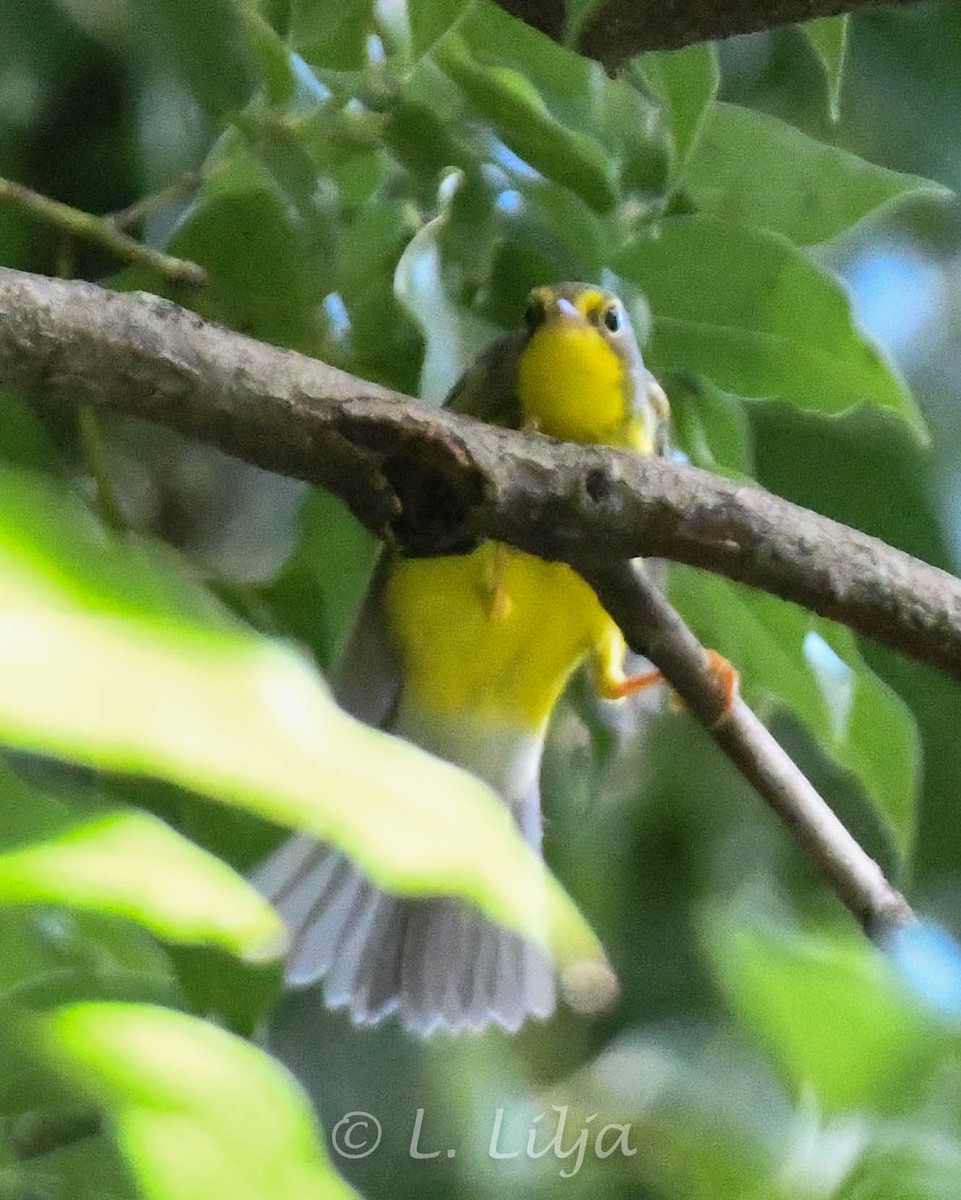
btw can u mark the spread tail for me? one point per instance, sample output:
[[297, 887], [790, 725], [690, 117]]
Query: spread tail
[[437, 963]]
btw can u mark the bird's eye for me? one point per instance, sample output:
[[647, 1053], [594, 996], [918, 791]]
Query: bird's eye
[[534, 312], [613, 318]]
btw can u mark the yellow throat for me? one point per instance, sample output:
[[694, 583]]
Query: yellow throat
[[570, 383]]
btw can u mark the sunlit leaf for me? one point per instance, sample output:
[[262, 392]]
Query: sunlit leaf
[[132, 865], [755, 315], [750, 167], [96, 670], [452, 334], [195, 1112]]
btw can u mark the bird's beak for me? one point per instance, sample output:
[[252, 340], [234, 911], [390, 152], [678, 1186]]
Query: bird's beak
[[567, 310]]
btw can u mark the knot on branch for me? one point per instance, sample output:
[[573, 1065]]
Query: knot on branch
[[433, 479]]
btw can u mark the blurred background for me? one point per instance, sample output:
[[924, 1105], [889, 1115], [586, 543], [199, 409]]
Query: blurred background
[[365, 194]]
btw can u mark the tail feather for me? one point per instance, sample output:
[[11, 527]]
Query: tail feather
[[438, 962]]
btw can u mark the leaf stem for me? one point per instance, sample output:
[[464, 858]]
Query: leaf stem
[[104, 231]]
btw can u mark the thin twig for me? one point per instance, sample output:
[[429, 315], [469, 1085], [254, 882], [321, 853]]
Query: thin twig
[[653, 628], [104, 231], [133, 214]]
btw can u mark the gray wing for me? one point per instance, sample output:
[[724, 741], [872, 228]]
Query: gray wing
[[488, 389], [369, 678]]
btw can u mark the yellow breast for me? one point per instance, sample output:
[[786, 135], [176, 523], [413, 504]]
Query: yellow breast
[[496, 632], [571, 386]]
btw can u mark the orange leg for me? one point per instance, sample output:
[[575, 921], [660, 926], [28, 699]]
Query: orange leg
[[728, 676], [718, 665]]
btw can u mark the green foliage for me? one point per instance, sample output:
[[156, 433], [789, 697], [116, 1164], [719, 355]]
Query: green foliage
[[780, 327], [194, 1110], [185, 693], [829, 41], [131, 865], [380, 185]]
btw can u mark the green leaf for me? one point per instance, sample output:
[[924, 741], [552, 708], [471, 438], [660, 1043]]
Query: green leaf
[[828, 37], [453, 335], [86, 1169], [430, 20], [196, 1112], [317, 594], [759, 318], [266, 247], [520, 116], [331, 33], [750, 167], [685, 82], [831, 1013], [23, 439], [791, 659], [131, 865], [710, 426], [194, 37], [95, 668]]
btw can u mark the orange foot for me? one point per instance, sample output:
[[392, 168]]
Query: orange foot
[[726, 675], [718, 665]]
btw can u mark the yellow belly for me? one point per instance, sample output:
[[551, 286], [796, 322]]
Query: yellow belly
[[504, 654]]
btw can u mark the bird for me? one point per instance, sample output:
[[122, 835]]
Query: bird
[[466, 656]]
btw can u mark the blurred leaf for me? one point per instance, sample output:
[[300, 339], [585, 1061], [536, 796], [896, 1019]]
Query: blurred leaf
[[85, 1169], [196, 1112], [914, 1160], [685, 82], [90, 674], [707, 1115], [331, 33], [811, 667], [430, 20], [267, 248], [750, 167], [23, 440], [759, 318], [829, 40], [831, 1013], [710, 426], [196, 36], [132, 865]]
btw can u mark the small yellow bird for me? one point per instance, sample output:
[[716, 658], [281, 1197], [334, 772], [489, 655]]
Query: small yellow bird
[[467, 656]]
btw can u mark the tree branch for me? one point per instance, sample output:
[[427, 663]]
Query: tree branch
[[653, 628], [436, 481], [619, 29]]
